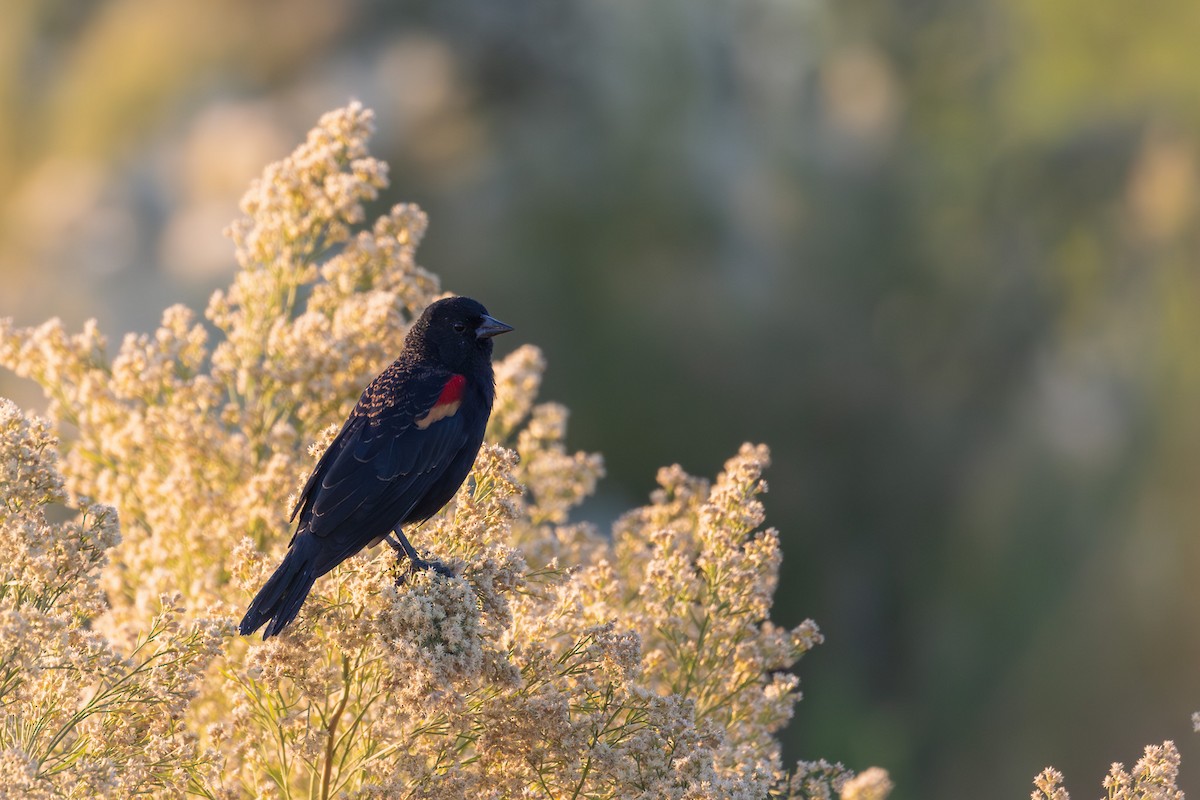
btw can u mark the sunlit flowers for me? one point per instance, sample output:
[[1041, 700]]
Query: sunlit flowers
[[556, 661]]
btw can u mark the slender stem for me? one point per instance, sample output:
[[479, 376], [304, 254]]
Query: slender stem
[[327, 773]]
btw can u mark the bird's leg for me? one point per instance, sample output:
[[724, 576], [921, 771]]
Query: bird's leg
[[404, 548]]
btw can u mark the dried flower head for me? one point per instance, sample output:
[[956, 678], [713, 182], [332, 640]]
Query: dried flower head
[[1049, 786], [1154, 777], [870, 784], [84, 715]]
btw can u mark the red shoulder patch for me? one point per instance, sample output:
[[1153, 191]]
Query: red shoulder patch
[[452, 392], [447, 403]]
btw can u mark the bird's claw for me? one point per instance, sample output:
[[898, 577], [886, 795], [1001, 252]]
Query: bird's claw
[[419, 564]]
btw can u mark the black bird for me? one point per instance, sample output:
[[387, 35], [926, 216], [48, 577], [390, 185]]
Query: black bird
[[401, 455]]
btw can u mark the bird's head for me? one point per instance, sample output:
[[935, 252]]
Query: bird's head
[[457, 332]]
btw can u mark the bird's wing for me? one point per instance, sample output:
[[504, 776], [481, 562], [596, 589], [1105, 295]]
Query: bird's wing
[[328, 457], [397, 395], [382, 465]]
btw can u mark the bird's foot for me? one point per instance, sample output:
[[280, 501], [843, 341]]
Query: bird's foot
[[414, 565], [406, 552]]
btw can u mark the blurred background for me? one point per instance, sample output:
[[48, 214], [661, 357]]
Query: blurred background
[[941, 255]]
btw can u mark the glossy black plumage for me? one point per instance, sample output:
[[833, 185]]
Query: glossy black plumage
[[401, 455]]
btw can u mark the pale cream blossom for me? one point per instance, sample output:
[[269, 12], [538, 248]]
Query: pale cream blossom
[[870, 784], [84, 715], [1049, 786], [1154, 777], [817, 780]]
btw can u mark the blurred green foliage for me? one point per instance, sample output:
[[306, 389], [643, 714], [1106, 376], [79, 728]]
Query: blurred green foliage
[[940, 255]]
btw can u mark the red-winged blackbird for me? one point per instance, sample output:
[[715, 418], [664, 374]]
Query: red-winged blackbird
[[402, 454]]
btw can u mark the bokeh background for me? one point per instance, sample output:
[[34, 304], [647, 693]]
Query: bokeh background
[[941, 255]]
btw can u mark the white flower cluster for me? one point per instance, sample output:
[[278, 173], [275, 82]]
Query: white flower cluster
[[1153, 777], [83, 716], [557, 662]]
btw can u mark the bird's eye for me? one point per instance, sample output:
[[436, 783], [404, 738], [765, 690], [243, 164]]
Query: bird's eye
[[460, 326]]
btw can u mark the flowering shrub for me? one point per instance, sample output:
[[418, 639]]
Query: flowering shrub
[[557, 662], [83, 717]]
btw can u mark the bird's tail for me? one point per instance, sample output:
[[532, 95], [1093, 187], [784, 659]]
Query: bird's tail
[[280, 598]]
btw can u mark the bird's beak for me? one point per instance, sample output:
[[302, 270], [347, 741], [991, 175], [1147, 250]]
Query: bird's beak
[[491, 327]]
